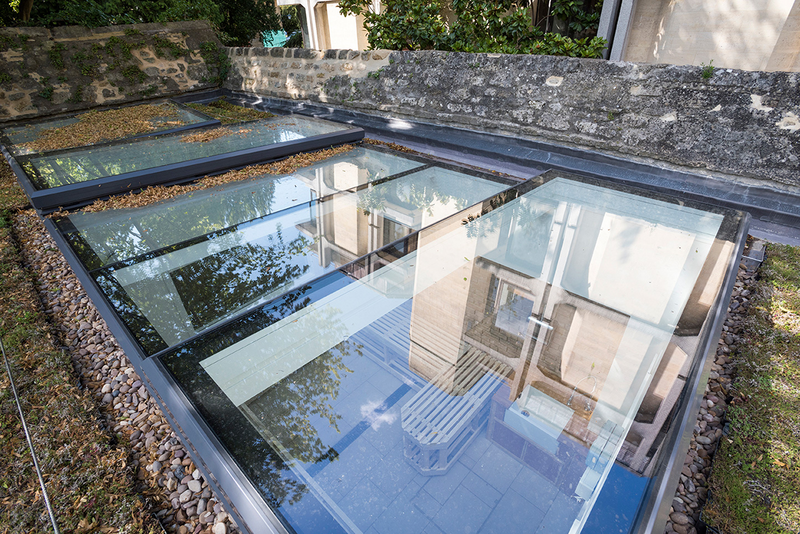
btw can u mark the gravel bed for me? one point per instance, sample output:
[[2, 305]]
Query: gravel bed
[[181, 498], [176, 491], [692, 491]]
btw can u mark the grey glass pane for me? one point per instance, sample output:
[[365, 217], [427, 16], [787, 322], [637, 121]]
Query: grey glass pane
[[116, 235], [187, 286], [110, 160], [504, 373], [19, 135]]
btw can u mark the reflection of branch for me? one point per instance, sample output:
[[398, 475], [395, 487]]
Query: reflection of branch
[[420, 198], [477, 225], [286, 411]]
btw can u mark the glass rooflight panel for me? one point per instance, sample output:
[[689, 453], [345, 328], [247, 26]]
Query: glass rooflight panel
[[106, 237], [82, 165], [19, 137], [504, 373], [171, 293]]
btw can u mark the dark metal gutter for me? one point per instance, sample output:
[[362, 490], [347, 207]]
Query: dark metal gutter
[[220, 470], [73, 195], [762, 202]]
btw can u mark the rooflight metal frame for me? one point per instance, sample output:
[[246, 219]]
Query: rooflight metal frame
[[245, 502], [209, 122], [74, 195], [425, 164], [655, 509], [766, 204], [226, 478]]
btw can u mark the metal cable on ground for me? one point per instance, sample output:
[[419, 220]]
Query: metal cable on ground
[[30, 442]]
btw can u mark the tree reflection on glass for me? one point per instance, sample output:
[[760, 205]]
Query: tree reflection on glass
[[285, 412], [118, 235], [220, 284], [291, 410], [413, 197], [205, 291]]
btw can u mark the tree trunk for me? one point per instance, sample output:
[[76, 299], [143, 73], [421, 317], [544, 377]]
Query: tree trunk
[[25, 9]]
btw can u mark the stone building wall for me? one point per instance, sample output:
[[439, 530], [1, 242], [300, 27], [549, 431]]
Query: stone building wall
[[298, 73], [735, 123], [45, 71]]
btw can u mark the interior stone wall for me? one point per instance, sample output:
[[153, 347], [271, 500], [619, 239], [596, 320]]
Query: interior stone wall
[[44, 71], [739, 124]]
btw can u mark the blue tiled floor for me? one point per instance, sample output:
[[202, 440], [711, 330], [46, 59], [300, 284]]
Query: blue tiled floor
[[375, 486]]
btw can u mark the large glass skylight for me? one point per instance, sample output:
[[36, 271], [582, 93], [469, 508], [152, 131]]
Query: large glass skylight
[[177, 268], [18, 138], [511, 369], [94, 163]]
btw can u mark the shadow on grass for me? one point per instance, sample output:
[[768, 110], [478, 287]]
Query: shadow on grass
[[755, 482]]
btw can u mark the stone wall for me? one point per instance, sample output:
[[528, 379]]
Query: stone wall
[[45, 71], [735, 123], [298, 73]]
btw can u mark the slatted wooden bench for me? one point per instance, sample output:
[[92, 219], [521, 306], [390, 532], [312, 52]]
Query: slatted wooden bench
[[446, 415]]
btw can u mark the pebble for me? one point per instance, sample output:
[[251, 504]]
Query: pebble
[[195, 486], [104, 370], [692, 489]]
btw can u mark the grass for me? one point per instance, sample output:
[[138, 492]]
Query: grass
[[755, 482], [87, 475]]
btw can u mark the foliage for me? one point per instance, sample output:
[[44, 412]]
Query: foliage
[[134, 74], [708, 70], [575, 17], [755, 483], [477, 26], [236, 21], [55, 55], [489, 27], [217, 61], [242, 20], [401, 24], [93, 13], [47, 92], [291, 22]]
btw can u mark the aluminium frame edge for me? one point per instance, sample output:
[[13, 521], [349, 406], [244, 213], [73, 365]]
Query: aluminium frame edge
[[654, 513], [252, 514], [74, 195]]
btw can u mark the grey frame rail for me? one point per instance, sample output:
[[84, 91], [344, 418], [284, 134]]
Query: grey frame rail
[[77, 194]]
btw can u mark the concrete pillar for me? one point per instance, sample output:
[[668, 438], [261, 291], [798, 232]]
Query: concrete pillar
[[615, 26], [786, 54]]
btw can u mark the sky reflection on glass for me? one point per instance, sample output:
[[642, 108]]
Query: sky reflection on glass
[[178, 268], [499, 375], [87, 164]]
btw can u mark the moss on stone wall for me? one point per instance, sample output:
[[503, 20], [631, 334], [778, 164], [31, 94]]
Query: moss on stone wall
[[46, 71]]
